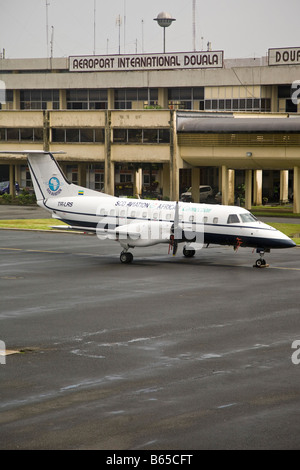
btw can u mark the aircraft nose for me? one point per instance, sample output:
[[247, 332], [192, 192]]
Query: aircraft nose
[[287, 243]]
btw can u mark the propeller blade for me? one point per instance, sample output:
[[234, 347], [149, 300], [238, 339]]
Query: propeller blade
[[176, 235]]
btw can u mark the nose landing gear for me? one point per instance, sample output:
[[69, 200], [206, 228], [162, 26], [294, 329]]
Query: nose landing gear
[[261, 262]]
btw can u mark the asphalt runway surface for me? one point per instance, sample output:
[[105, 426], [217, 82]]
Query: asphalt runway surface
[[165, 353]]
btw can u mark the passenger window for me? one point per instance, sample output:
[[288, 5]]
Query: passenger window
[[205, 220], [191, 218], [215, 220], [144, 215], [233, 219]]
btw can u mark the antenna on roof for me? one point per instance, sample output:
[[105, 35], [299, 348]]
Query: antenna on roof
[[94, 51], [194, 24], [51, 55], [47, 28]]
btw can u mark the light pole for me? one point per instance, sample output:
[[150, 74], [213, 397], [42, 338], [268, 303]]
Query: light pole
[[164, 20]]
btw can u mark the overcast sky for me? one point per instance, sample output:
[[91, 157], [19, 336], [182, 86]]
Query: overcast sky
[[242, 28]]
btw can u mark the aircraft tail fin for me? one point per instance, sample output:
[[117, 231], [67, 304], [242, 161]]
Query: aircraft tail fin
[[49, 180]]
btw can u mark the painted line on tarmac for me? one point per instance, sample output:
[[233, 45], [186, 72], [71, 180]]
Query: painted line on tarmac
[[24, 250], [32, 251], [287, 269]]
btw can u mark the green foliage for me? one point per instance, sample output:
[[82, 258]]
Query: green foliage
[[24, 198]]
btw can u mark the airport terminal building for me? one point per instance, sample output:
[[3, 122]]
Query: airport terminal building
[[156, 124]]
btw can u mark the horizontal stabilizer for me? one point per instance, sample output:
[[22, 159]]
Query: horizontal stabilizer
[[71, 228]]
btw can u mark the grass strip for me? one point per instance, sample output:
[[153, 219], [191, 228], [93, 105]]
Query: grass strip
[[30, 224]]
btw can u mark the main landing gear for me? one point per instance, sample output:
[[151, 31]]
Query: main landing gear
[[188, 252], [126, 257], [261, 262]]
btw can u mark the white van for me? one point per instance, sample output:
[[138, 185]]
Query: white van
[[205, 193]]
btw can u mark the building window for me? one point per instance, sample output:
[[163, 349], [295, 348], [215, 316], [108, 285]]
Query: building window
[[39, 99], [72, 174], [6, 96], [186, 98], [141, 136], [135, 98], [87, 99], [95, 176], [99, 181], [83, 135], [26, 181], [22, 134], [241, 104], [125, 178]]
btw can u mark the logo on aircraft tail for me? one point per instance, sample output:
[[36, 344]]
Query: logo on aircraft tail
[[54, 186]]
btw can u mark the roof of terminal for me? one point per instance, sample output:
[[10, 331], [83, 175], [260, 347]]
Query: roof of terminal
[[228, 124]]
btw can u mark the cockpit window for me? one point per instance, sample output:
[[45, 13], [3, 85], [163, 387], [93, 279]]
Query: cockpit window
[[248, 217], [233, 219]]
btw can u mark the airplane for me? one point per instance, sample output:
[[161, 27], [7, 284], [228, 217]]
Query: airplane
[[142, 222]]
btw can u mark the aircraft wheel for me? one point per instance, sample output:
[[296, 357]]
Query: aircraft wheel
[[126, 257], [260, 263], [188, 253]]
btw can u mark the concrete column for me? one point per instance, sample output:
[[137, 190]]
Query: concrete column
[[224, 184], [16, 99], [18, 174], [138, 181], [111, 98], [274, 99], [12, 180], [163, 98], [166, 180], [62, 99], [174, 167], [195, 184], [296, 206], [109, 167], [257, 196], [231, 177], [82, 174], [46, 130], [284, 186], [248, 189]]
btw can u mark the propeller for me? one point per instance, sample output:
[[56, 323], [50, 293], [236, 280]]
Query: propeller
[[176, 235]]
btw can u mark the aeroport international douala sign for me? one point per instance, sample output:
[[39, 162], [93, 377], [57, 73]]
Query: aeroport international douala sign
[[284, 56], [180, 60]]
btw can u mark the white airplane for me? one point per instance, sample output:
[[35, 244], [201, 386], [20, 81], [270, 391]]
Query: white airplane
[[141, 222]]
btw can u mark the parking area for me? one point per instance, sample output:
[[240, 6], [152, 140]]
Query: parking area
[[165, 353]]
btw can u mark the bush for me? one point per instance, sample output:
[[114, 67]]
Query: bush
[[25, 198], [6, 199]]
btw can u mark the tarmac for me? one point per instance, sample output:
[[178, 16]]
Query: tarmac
[[165, 353]]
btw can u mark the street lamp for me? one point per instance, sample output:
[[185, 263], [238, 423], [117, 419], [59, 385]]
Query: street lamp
[[164, 20]]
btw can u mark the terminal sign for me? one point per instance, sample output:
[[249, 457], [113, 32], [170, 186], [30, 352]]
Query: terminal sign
[[181, 60], [284, 56]]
